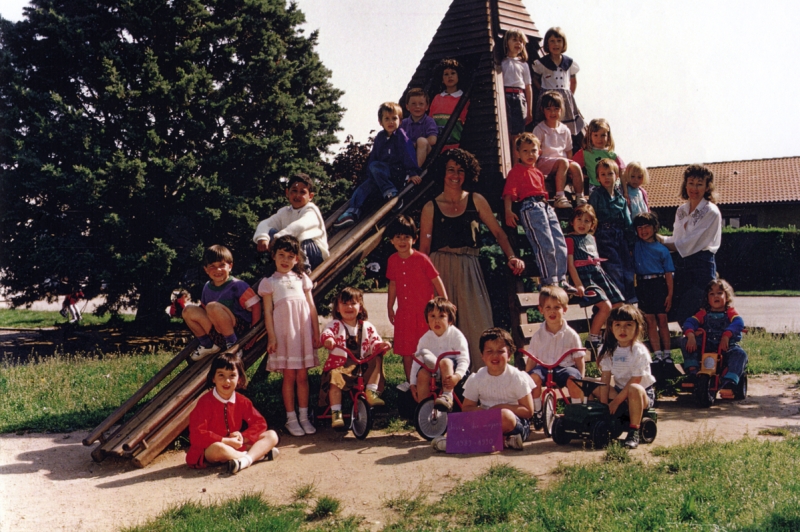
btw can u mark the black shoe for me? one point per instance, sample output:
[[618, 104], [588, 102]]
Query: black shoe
[[538, 421], [345, 220], [691, 377], [632, 441], [726, 383]]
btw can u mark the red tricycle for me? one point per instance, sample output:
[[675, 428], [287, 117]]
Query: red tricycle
[[361, 416], [551, 389], [713, 365]]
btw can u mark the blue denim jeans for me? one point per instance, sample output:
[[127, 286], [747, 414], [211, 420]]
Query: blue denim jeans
[[380, 178], [735, 357], [612, 246], [544, 234]]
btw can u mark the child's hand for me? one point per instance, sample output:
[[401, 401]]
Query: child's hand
[[451, 381], [235, 440], [414, 393], [581, 291], [382, 347], [511, 219], [517, 265], [272, 345], [329, 344], [262, 246], [691, 344], [612, 406], [415, 179], [315, 341], [528, 118], [724, 342], [390, 312]]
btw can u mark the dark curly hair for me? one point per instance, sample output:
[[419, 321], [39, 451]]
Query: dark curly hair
[[702, 172], [438, 71], [467, 161]]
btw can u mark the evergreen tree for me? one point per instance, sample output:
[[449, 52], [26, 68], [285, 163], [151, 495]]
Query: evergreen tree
[[135, 133]]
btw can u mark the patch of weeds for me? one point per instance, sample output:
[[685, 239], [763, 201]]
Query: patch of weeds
[[406, 503], [397, 424], [783, 431], [616, 452], [325, 507], [304, 492], [660, 451]]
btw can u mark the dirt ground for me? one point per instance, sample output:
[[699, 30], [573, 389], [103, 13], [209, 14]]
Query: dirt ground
[[49, 481]]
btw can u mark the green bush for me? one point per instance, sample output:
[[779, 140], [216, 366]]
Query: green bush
[[760, 259]]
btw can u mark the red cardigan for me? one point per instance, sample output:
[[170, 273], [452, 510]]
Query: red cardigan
[[207, 425]]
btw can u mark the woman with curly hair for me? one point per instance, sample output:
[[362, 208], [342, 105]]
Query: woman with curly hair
[[449, 228]]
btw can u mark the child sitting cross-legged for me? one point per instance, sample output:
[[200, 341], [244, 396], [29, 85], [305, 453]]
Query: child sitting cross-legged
[[499, 385], [391, 161], [553, 339], [349, 327], [442, 337]]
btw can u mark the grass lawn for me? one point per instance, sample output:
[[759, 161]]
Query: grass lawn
[[36, 319]]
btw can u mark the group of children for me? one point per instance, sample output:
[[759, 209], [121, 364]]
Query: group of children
[[613, 237]]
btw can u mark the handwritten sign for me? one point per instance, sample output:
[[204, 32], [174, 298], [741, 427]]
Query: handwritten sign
[[475, 432]]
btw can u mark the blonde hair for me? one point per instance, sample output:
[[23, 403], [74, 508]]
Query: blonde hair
[[596, 125], [553, 292], [389, 107], [611, 164], [521, 36], [635, 165], [558, 32]]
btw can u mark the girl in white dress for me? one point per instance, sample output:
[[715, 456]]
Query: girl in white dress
[[290, 317]]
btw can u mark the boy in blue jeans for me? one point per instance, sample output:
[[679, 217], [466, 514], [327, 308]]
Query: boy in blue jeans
[[392, 159], [525, 183]]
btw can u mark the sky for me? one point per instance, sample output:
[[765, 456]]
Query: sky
[[675, 79]]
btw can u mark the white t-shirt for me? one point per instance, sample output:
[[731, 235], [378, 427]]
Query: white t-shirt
[[627, 362], [515, 73], [305, 223], [549, 347], [451, 340], [699, 231], [555, 141], [507, 388]]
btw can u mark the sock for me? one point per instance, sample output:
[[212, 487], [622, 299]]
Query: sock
[[576, 401], [245, 461], [205, 341], [559, 194], [634, 427], [373, 387], [303, 413], [595, 338], [231, 339], [537, 405], [291, 416], [336, 408], [656, 355]]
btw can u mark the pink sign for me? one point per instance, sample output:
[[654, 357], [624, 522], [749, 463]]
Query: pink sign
[[475, 432]]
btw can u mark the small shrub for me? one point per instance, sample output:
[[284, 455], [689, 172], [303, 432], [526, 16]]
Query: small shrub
[[325, 507], [616, 452]]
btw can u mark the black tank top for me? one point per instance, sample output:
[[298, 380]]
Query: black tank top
[[458, 231]]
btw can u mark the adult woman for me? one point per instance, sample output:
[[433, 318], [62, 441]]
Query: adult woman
[[449, 234], [696, 236]]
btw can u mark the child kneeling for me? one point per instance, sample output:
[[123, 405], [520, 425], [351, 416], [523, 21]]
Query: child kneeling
[[215, 424], [499, 385], [443, 337], [351, 329]]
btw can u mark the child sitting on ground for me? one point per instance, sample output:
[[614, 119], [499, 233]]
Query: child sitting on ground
[[444, 103], [228, 307], [633, 177], [215, 424], [654, 270], [723, 327], [594, 287], [556, 149], [442, 337], [553, 339], [626, 358], [420, 128], [413, 281], [301, 219], [391, 161], [350, 328], [525, 183], [499, 385], [598, 144]]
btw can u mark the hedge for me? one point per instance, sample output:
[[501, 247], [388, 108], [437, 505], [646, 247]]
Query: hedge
[[752, 258]]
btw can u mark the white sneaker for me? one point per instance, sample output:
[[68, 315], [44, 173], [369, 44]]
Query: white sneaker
[[202, 352], [562, 202], [294, 428], [404, 386], [308, 428], [514, 442], [439, 443]]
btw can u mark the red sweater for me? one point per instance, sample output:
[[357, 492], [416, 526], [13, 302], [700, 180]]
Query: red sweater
[[207, 424]]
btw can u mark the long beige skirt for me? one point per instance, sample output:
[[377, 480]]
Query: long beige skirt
[[461, 274]]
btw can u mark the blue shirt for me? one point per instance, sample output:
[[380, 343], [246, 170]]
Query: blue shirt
[[651, 258], [396, 150], [426, 127]]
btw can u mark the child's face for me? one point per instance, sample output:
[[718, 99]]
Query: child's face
[[528, 153], [582, 224], [285, 260], [495, 355], [417, 105], [555, 45], [218, 272], [624, 332], [717, 299], [225, 382], [390, 122], [553, 313], [696, 188], [607, 178], [635, 179], [349, 311], [403, 244], [450, 80], [299, 195], [515, 46], [438, 322], [552, 115], [600, 139], [646, 232]]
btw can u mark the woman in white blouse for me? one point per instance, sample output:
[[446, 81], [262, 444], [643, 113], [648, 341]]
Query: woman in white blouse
[[696, 236]]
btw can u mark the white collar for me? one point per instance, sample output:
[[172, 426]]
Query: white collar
[[456, 94], [562, 329], [219, 398]]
